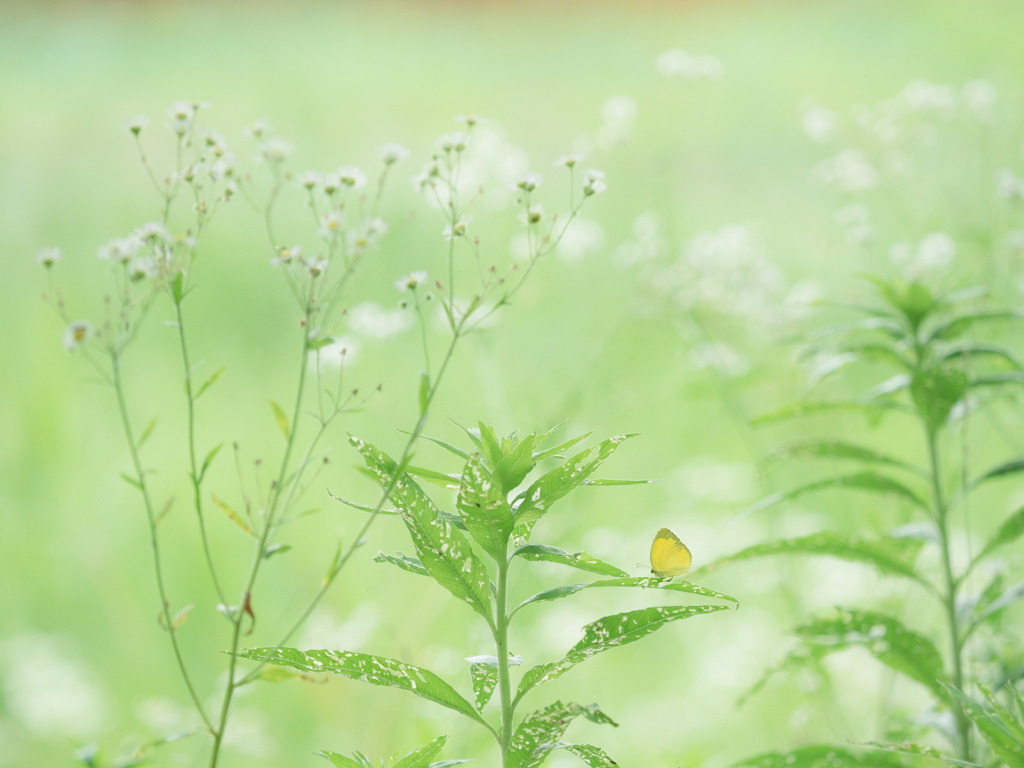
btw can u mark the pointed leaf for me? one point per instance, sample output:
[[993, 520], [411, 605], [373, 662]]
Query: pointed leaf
[[537, 734], [444, 552], [451, 482], [643, 582], [593, 756], [970, 351], [209, 383], [554, 451], [959, 325], [368, 669], [580, 560], [611, 632], [935, 392], [209, 460], [484, 678], [1011, 530], [233, 516], [410, 564], [834, 449], [992, 728], [424, 393], [489, 445], [545, 435], [363, 507], [280, 417], [484, 509], [874, 411], [131, 481], [421, 757], [610, 481], [146, 433], [821, 756], [340, 761], [447, 446], [514, 466]]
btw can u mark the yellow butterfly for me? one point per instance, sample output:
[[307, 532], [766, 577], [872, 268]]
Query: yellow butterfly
[[669, 556]]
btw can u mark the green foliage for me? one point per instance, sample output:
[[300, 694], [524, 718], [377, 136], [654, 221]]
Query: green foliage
[[820, 756], [539, 731], [420, 757]]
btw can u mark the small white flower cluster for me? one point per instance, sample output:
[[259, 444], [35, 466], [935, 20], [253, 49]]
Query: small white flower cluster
[[853, 219], [681, 65], [648, 243], [932, 254], [459, 229]]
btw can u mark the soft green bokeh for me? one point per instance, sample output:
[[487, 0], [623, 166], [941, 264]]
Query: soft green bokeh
[[584, 342]]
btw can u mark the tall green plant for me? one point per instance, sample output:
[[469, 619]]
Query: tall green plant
[[496, 511], [939, 373]]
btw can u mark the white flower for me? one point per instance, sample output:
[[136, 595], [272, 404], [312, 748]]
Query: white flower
[[310, 179], [120, 249], [392, 153], [195, 170], [818, 123], [457, 141], [341, 353], [527, 182], [411, 281], [182, 115], [470, 120], [140, 269], [459, 230], [213, 141], [426, 176], [330, 224], [223, 167], [49, 256], [315, 266], [287, 255], [256, 129], [678, 63], [153, 232], [593, 182], [77, 334], [137, 123], [533, 215], [372, 321], [275, 150], [980, 96], [366, 235], [935, 252], [332, 183], [352, 177], [568, 161]]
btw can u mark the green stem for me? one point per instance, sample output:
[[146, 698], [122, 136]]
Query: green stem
[[197, 497], [501, 645], [963, 724], [165, 607], [268, 526]]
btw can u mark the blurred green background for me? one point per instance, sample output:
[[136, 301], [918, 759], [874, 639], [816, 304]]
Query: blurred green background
[[589, 341]]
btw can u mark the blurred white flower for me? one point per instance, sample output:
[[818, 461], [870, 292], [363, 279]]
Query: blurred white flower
[[330, 224], [719, 357], [352, 177], [153, 232], [372, 321], [533, 215], [935, 252], [275, 150], [582, 238], [680, 64], [980, 96], [593, 182], [48, 691], [256, 129], [922, 96], [120, 249], [449, 142], [1009, 185], [49, 256], [309, 179], [392, 153], [459, 229], [648, 243], [471, 120], [286, 255], [617, 116], [527, 182], [137, 123], [819, 123], [568, 161], [341, 353], [366, 235], [142, 268], [182, 115], [848, 171], [411, 281], [77, 334]]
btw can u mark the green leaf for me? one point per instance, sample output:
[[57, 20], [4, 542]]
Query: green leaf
[[320, 343], [580, 560], [551, 452], [545, 435], [447, 446], [484, 509], [1006, 599], [996, 732], [276, 549], [998, 379], [444, 552], [883, 323], [146, 433], [610, 481], [611, 632], [1011, 530], [870, 482], [177, 287], [893, 556], [970, 351], [1003, 470], [209, 383], [593, 756], [874, 411], [886, 639], [280, 417], [935, 392], [341, 761], [489, 445], [363, 507], [421, 757], [484, 678], [131, 481], [515, 465], [834, 449], [643, 582], [233, 516], [375, 670], [209, 460], [535, 501], [910, 748], [537, 734], [424, 393], [960, 324], [820, 756], [410, 564], [451, 482]]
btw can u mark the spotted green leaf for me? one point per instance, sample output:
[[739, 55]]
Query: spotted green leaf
[[483, 507], [642, 582], [580, 560]]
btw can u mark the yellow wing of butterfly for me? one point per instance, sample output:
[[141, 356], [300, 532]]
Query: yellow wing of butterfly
[[669, 556]]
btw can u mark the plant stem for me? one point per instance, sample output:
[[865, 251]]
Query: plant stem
[[197, 498], [501, 644], [165, 608], [268, 526], [963, 724]]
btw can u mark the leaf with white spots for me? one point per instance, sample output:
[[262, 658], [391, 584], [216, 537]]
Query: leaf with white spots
[[539, 732], [484, 509], [580, 560], [406, 563], [593, 756], [643, 582], [442, 550], [375, 670], [611, 632], [484, 678], [821, 756], [549, 488]]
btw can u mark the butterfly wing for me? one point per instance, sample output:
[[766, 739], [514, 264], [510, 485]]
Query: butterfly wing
[[669, 556]]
